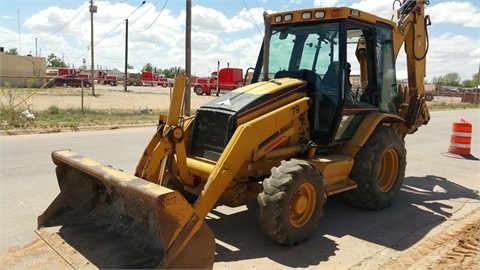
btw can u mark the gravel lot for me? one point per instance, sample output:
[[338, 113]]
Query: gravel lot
[[106, 98], [115, 98]]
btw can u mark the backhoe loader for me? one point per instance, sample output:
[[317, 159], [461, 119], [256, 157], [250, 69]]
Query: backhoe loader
[[303, 130]]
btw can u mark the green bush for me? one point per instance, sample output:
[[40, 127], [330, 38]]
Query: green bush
[[53, 109]]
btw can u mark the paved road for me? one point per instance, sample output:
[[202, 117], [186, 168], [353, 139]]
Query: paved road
[[438, 189]]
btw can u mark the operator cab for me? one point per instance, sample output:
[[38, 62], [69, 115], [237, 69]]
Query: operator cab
[[348, 65]]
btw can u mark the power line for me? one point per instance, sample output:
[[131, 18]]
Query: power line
[[76, 40], [106, 35], [63, 26], [251, 17], [158, 15], [220, 27]]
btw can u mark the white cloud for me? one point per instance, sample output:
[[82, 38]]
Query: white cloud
[[445, 57], [55, 19], [208, 19], [462, 13], [325, 3], [158, 36], [253, 15], [382, 9]]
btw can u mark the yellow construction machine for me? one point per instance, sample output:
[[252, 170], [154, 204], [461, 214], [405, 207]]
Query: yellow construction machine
[[323, 115]]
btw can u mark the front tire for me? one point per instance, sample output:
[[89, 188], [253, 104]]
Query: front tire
[[198, 90], [291, 202], [428, 96], [379, 170]]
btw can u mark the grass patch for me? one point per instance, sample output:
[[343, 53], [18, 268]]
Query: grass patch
[[452, 106], [14, 101], [57, 119]]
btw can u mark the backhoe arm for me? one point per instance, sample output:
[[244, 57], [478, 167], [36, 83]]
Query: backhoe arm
[[411, 32]]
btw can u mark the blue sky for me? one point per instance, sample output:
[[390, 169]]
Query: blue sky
[[228, 31]]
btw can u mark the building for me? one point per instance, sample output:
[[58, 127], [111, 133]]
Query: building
[[22, 71], [120, 73]]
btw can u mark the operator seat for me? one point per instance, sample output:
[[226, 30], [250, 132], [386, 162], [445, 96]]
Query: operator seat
[[314, 82], [331, 77], [318, 119]]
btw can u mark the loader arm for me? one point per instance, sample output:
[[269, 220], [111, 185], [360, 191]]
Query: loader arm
[[168, 140], [411, 32], [240, 149]]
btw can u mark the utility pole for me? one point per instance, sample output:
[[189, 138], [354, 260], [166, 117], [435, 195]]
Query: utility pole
[[93, 9], [478, 84], [188, 56], [126, 56]]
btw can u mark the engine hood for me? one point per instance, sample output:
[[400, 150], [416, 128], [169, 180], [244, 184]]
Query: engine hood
[[216, 121], [252, 96]]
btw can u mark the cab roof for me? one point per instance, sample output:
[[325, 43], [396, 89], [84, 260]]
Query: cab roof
[[322, 14]]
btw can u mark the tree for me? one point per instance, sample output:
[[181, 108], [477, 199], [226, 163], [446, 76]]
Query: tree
[[171, 72], [475, 78], [437, 80], [451, 79], [467, 84], [12, 51], [148, 67], [54, 61]]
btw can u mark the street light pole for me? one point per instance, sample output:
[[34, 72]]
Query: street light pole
[[93, 9]]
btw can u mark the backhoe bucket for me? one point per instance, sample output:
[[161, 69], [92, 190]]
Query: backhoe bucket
[[105, 218]]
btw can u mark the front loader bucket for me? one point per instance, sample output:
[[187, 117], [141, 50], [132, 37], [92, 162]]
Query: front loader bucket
[[105, 218]]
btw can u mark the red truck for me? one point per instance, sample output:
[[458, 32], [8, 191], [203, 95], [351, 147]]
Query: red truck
[[104, 78], [149, 78], [67, 71], [164, 81], [228, 79], [154, 79]]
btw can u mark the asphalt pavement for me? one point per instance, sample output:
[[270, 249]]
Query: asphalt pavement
[[439, 188]]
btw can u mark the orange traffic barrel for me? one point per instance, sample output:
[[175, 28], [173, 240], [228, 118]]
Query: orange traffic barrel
[[461, 138]]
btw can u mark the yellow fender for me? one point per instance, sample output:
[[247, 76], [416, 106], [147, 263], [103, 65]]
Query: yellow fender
[[365, 129]]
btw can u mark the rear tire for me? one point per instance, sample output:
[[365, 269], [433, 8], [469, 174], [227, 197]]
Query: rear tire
[[292, 202], [379, 170]]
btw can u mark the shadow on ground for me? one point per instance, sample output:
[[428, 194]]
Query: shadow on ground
[[422, 204]]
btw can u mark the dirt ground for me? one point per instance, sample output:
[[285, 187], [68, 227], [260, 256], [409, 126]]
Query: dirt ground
[[110, 98], [106, 98], [457, 248]]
